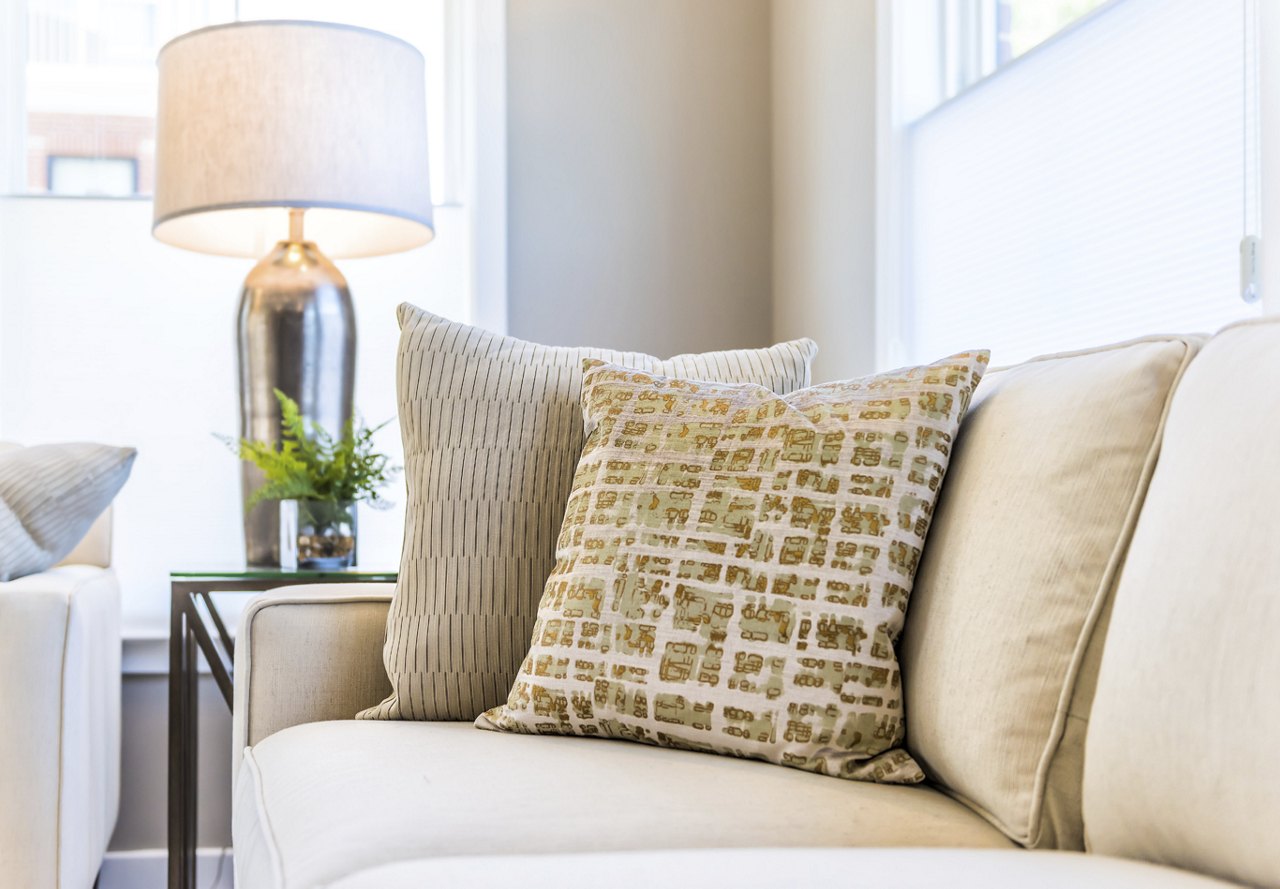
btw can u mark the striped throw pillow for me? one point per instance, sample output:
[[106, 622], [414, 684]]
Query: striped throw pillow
[[49, 496], [492, 431]]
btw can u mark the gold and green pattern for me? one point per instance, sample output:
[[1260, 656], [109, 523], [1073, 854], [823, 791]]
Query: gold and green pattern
[[734, 567]]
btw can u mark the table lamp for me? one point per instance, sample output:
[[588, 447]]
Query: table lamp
[[268, 128]]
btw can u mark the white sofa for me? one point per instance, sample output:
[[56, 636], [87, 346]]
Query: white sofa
[[1161, 759], [60, 738]]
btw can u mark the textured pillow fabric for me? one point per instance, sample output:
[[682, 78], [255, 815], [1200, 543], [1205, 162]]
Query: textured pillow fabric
[[734, 567], [49, 496], [1001, 648], [492, 430]]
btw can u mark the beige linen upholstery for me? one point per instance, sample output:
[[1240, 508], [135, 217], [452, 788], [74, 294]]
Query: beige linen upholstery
[[308, 653], [1181, 765], [783, 868], [317, 802], [60, 738], [1046, 480], [492, 431]]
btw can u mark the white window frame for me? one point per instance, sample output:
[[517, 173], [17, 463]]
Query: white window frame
[[891, 267], [13, 80], [482, 150], [1268, 105]]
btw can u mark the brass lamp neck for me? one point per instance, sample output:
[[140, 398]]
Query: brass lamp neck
[[295, 224]]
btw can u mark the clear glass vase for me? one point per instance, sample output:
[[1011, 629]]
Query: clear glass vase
[[326, 535]]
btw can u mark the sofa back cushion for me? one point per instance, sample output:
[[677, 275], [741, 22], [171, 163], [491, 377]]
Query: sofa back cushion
[[1002, 640], [1181, 764]]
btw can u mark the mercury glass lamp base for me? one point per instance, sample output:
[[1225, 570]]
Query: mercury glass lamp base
[[296, 332]]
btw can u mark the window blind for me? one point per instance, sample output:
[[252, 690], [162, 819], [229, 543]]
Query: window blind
[[1094, 190]]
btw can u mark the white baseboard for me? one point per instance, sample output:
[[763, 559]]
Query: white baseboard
[[149, 869]]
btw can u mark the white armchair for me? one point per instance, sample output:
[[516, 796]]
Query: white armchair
[[60, 732]]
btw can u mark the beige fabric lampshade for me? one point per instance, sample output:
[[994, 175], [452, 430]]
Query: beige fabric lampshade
[[258, 117]]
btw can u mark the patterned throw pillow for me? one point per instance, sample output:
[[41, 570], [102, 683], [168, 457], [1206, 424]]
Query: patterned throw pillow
[[492, 430], [734, 567]]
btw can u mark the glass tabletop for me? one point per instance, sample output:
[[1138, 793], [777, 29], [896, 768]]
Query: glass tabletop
[[242, 573]]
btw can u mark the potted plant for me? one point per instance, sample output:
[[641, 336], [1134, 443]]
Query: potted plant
[[325, 476]]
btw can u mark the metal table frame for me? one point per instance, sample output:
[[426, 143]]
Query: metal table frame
[[197, 627]]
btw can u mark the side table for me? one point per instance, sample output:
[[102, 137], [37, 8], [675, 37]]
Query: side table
[[196, 626]]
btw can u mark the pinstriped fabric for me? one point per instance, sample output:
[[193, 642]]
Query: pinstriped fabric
[[49, 496], [492, 431]]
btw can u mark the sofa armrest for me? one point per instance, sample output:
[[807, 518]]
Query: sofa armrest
[[306, 654], [60, 740]]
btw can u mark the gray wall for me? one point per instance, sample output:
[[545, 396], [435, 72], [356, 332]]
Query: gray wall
[[145, 769], [639, 206], [824, 184]]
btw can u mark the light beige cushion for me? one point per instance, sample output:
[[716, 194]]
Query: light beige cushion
[[1049, 472], [317, 802], [1181, 764], [492, 431], [734, 567], [777, 868], [49, 497]]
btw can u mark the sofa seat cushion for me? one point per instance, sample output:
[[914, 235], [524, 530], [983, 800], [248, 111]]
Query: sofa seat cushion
[[771, 868], [320, 801]]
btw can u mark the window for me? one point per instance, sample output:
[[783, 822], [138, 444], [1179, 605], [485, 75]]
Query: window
[[1025, 24], [90, 83], [90, 90], [110, 177], [964, 41], [1097, 188]]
